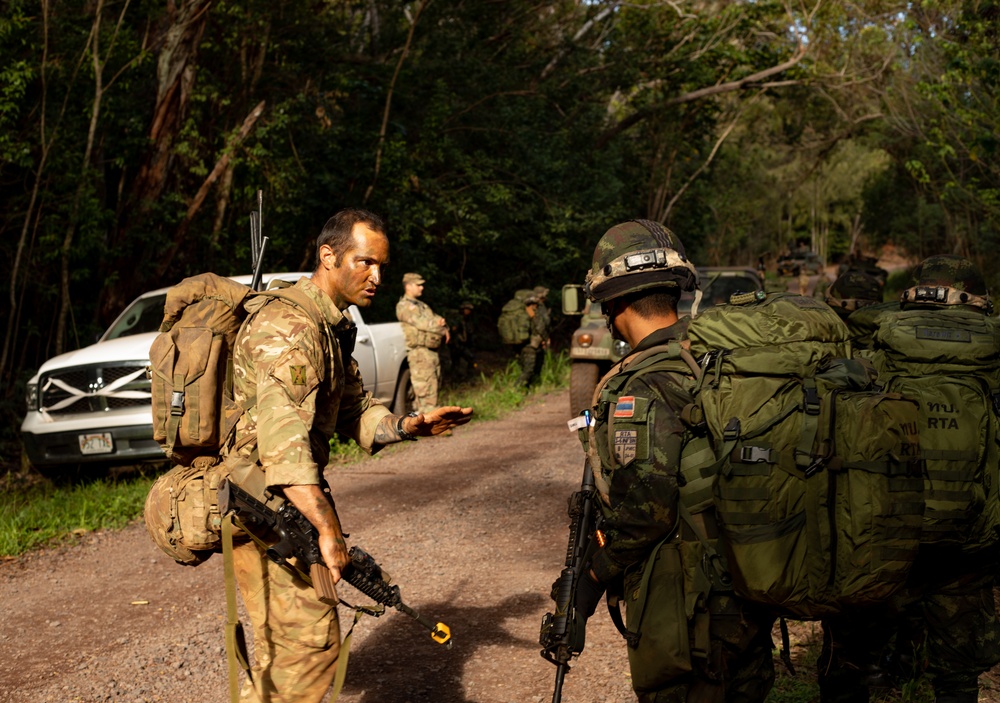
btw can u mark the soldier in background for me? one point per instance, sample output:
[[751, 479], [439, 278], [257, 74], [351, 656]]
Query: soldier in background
[[857, 298], [541, 294], [947, 609], [424, 332], [462, 344], [532, 354]]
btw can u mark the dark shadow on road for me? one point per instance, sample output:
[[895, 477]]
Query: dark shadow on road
[[399, 663]]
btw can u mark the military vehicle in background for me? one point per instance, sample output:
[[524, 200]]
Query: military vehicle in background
[[795, 262], [864, 264], [592, 348]]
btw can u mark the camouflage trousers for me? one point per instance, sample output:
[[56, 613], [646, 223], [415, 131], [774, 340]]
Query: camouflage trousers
[[531, 364], [949, 629], [296, 637], [739, 667], [425, 375]]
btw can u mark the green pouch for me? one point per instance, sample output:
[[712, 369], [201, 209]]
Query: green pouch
[[654, 610]]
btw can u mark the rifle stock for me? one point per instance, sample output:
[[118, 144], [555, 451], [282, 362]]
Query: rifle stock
[[563, 633]]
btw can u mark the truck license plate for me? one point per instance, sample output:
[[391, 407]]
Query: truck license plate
[[96, 443]]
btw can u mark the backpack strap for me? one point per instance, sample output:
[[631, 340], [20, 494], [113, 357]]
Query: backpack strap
[[236, 643], [300, 299], [616, 379]]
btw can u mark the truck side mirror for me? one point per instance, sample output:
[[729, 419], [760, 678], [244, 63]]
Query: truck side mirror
[[573, 299]]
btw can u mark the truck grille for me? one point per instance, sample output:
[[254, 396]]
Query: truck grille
[[84, 389]]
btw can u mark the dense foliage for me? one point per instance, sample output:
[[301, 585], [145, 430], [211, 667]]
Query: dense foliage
[[498, 137]]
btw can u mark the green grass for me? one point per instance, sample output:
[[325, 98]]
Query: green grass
[[490, 397], [37, 513], [34, 516]]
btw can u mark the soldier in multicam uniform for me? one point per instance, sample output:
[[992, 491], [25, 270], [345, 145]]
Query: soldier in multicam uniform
[[946, 615], [424, 332], [532, 354], [639, 271], [300, 385]]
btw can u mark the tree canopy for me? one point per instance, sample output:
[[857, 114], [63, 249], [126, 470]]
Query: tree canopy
[[499, 138]]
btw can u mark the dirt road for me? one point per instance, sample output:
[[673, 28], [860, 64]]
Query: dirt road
[[472, 527]]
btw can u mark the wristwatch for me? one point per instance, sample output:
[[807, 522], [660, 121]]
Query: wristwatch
[[403, 434]]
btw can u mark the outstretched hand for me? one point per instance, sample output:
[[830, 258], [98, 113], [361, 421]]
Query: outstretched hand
[[437, 421]]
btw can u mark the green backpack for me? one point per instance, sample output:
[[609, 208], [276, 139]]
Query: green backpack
[[948, 360], [819, 493], [514, 324]]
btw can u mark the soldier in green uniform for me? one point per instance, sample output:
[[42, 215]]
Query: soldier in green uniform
[[424, 332], [857, 298], [463, 342], [532, 354], [947, 609], [723, 652], [299, 385]]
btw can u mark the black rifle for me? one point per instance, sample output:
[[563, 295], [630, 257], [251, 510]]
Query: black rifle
[[564, 632], [298, 538]]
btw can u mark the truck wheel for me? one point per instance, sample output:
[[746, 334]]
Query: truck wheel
[[404, 399], [583, 377]]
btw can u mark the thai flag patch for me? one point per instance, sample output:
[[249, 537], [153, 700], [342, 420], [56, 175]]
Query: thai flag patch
[[625, 406]]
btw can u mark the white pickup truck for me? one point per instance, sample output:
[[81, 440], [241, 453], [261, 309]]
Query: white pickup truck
[[92, 405]]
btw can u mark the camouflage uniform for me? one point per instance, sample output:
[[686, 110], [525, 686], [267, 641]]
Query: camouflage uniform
[[532, 354], [948, 604], [856, 297], [423, 331], [642, 511], [305, 386], [463, 343], [724, 644]]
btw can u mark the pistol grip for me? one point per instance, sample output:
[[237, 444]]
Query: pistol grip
[[323, 584]]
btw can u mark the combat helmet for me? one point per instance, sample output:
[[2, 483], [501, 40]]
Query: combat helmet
[[638, 255], [948, 280], [853, 290]]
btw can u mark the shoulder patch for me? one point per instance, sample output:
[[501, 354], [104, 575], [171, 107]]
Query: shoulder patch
[[625, 445], [298, 374], [625, 407]]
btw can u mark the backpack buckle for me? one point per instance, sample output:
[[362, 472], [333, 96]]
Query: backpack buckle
[[732, 430], [815, 467], [177, 403], [754, 455], [811, 400]]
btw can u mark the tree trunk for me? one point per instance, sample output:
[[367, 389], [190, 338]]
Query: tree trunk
[[175, 76], [65, 301], [177, 47]]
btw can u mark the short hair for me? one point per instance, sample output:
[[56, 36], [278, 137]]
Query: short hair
[[336, 233], [651, 303]]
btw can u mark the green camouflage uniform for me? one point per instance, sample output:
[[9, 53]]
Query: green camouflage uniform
[[532, 354], [947, 608], [640, 472], [463, 344], [305, 387], [424, 334]]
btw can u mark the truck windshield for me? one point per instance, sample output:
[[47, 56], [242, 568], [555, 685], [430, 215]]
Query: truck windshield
[[143, 315]]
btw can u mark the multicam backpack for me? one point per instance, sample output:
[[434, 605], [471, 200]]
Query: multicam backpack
[[948, 360], [514, 324], [194, 414]]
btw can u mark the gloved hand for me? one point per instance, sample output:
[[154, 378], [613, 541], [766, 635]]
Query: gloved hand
[[588, 595]]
